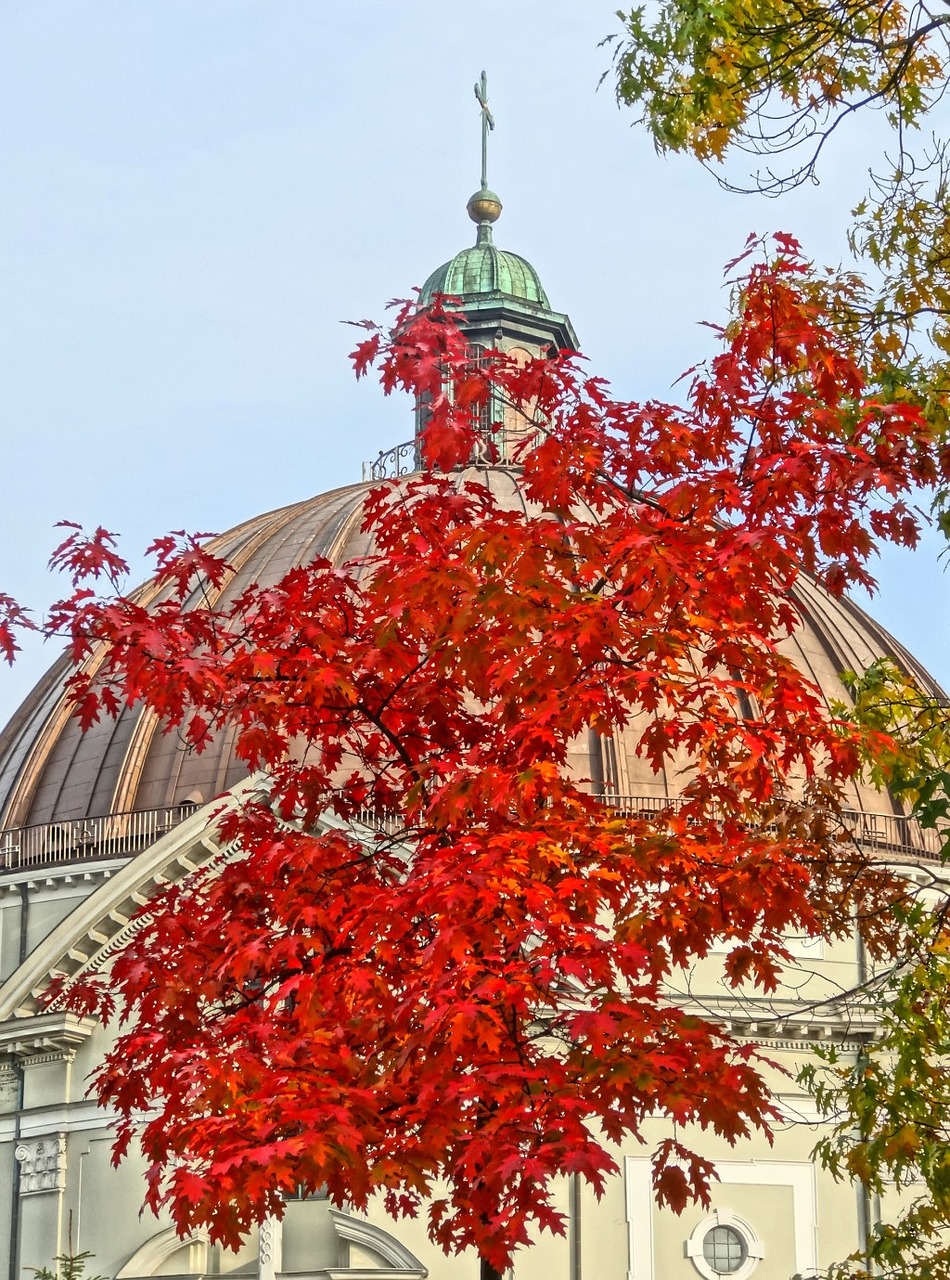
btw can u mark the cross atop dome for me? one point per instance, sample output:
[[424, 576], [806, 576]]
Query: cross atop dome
[[484, 207], [488, 122], [504, 301]]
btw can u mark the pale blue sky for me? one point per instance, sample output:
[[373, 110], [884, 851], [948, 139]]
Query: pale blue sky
[[197, 192]]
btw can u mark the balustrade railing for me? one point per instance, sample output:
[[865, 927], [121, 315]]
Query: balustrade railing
[[124, 834], [893, 834], [117, 835]]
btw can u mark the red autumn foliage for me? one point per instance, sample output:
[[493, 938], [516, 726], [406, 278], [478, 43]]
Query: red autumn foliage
[[461, 997]]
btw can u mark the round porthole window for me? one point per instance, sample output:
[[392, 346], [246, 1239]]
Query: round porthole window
[[724, 1245], [725, 1250]]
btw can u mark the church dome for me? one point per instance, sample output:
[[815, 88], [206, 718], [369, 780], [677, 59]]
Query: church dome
[[54, 777], [65, 794]]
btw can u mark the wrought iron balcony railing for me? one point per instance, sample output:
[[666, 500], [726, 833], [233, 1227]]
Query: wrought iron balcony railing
[[121, 835], [495, 445], [390, 464], [890, 834], [117, 835]]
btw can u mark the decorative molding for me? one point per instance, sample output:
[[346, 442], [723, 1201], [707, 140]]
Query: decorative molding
[[44, 1059], [798, 1176], [70, 880], [50, 887], [146, 1260], [45, 1038], [112, 904], [9, 1096], [42, 1165], [68, 1118], [270, 1248], [784, 1021], [389, 1250], [852, 1045]]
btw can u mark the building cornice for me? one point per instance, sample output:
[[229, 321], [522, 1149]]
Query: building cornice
[[45, 1037]]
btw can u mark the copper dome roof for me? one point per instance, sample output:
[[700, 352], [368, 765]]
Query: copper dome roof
[[50, 772]]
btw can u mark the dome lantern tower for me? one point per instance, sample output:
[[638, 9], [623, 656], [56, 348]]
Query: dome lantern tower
[[505, 304]]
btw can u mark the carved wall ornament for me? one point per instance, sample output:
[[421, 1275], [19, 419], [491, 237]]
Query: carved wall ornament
[[42, 1164]]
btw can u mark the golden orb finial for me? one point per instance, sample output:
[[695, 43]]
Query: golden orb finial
[[484, 206]]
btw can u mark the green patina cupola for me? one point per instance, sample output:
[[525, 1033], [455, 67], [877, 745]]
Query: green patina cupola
[[484, 268]]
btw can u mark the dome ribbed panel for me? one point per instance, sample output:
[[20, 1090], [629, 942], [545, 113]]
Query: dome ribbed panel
[[485, 269], [294, 536], [82, 773], [837, 636], [70, 775], [19, 736]]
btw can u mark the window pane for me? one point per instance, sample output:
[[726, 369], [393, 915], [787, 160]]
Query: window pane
[[724, 1250]]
